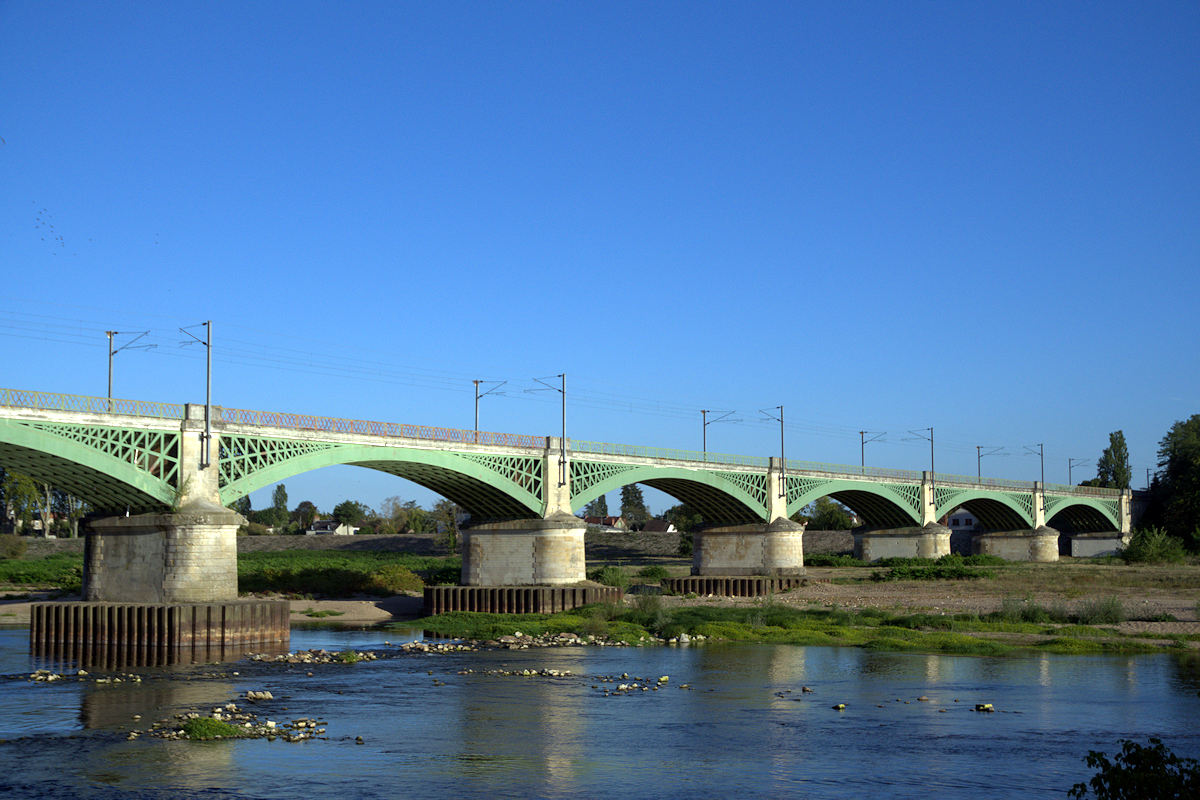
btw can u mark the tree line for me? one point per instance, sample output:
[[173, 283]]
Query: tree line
[[395, 515]]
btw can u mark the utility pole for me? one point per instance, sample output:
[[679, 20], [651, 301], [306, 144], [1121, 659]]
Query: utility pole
[[919, 433], [113, 351], [485, 394], [1041, 454], [1071, 464], [782, 454], [979, 454], [206, 460], [862, 446], [705, 422], [562, 442]]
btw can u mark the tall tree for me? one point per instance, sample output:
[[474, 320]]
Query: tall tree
[[597, 508], [305, 514], [22, 499], [827, 514], [1179, 476], [242, 505], [633, 507], [70, 508], [445, 512], [1112, 470], [350, 512], [279, 498]]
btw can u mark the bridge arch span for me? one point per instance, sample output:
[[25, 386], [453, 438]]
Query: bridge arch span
[[1081, 514], [995, 512], [878, 505], [721, 498], [487, 487], [114, 470]]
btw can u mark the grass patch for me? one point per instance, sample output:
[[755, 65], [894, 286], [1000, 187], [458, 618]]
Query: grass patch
[[832, 560], [62, 571], [206, 728], [932, 572], [311, 612], [778, 624], [342, 573]]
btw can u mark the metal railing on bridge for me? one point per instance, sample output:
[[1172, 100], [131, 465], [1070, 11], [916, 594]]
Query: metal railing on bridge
[[49, 401], [305, 422]]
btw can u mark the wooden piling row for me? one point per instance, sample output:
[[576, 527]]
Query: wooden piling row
[[515, 599], [750, 586], [115, 635]]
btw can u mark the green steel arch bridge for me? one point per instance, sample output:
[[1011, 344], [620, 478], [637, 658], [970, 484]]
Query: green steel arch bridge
[[130, 456]]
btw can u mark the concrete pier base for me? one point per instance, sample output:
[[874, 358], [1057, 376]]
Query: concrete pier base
[[773, 550], [122, 635], [928, 541], [528, 552], [189, 556], [1040, 545]]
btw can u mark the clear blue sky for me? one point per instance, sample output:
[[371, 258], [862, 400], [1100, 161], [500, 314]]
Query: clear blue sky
[[981, 217]]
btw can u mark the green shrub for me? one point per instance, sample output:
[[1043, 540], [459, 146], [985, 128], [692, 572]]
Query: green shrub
[[206, 728], [1153, 546], [394, 579], [654, 573], [11, 546], [832, 560], [610, 576], [1014, 610], [1108, 611], [1152, 771], [932, 572]]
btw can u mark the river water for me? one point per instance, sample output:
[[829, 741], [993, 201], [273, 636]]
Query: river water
[[744, 728]]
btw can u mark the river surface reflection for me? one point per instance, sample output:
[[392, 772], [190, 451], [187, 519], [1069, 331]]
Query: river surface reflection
[[745, 728]]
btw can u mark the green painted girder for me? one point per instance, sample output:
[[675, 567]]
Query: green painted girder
[[1082, 513], [995, 510], [112, 468], [488, 487], [878, 505], [722, 498]]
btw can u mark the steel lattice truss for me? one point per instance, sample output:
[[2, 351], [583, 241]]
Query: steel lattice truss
[[112, 468], [243, 456], [486, 486], [1073, 514], [722, 498]]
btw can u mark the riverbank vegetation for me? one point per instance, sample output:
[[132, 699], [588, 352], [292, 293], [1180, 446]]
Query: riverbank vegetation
[[329, 573], [1009, 631]]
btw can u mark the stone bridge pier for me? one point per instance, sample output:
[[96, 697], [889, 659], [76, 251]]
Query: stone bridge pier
[[525, 565], [772, 551], [162, 587]]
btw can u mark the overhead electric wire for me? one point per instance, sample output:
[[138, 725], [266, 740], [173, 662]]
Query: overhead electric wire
[[312, 361]]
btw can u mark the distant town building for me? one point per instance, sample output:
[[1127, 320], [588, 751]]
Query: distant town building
[[961, 520], [330, 527], [608, 523]]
